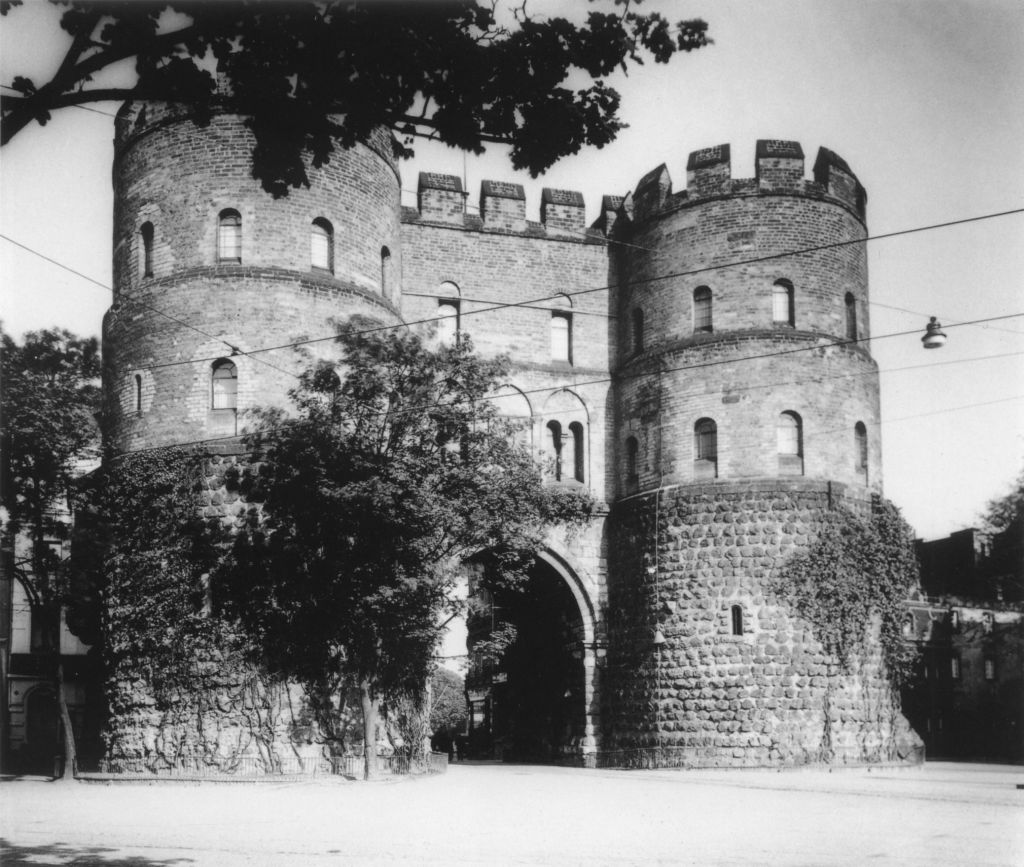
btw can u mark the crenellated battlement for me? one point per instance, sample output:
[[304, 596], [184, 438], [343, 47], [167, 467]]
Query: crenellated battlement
[[778, 170], [502, 207]]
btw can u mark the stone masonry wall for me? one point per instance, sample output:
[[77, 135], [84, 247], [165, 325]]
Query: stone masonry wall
[[767, 696]]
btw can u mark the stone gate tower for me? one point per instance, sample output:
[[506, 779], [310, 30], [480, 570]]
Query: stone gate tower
[[211, 267], [746, 408], [710, 386]]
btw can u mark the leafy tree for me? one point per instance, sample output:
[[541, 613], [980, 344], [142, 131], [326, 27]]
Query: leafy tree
[[858, 572], [1003, 521], [311, 75], [371, 496], [47, 428]]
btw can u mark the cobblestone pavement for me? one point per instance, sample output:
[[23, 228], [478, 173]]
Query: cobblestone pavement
[[499, 814]]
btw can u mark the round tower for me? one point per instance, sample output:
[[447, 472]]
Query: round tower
[[747, 408], [209, 267]]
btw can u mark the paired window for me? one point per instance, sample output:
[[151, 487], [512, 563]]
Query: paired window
[[224, 385], [851, 316], [321, 245], [790, 437], [146, 233], [702, 309], [783, 309], [705, 449], [566, 447], [561, 336], [638, 331], [229, 236]]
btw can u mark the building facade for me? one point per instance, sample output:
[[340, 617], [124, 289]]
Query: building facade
[[713, 391]]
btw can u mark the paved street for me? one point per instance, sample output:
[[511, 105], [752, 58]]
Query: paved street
[[492, 814]]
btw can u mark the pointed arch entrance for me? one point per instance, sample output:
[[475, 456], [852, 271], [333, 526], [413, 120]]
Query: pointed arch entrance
[[531, 691]]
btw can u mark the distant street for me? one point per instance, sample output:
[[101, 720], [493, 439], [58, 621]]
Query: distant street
[[942, 814]]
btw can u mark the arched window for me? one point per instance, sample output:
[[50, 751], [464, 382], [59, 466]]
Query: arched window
[[561, 336], [321, 245], [851, 316], [385, 270], [229, 236], [860, 445], [702, 309], [576, 435], [555, 447], [448, 321], [224, 385], [705, 449], [138, 392], [783, 311], [791, 444], [146, 232], [737, 619], [638, 330]]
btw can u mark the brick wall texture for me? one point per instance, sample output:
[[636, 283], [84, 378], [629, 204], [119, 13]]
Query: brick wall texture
[[664, 314]]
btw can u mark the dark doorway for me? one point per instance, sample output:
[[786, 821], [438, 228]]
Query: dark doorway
[[528, 704]]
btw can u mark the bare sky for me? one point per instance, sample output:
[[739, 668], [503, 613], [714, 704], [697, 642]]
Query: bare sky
[[923, 99]]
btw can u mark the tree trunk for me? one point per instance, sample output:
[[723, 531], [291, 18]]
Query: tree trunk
[[70, 753], [370, 705]]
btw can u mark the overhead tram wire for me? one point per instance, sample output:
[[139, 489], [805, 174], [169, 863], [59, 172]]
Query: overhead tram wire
[[536, 301]]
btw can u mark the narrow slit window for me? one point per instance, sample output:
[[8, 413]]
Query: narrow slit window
[[385, 270], [702, 309], [147, 249], [229, 237], [638, 331], [224, 385], [321, 245], [737, 619], [860, 442], [632, 459], [783, 311], [138, 392], [851, 316]]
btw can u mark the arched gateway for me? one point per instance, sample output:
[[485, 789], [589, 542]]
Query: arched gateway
[[536, 700]]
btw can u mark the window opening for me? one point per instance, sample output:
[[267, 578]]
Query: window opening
[[555, 445], [860, 437], [990, 668], [632, 459], [702, 309], [705, 449], [954, 667], [147, 249], [638, 330], [791, 445], [783, 310], [737, 620], [576, 436], [224, 385], [561, 337], [448, 321], [851, 317], [385, 267], [321, 245], [229, 237], [138, 392]]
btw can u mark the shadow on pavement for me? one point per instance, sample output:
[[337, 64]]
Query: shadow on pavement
[[91, 856]]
